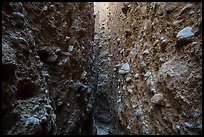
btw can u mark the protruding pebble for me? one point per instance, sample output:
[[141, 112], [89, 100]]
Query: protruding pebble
[[145, 52], [187, 124], [183, 37], [143, 65], [45, 7], [185, 33], [157, 98], [129, 90], [136, 75], [32, 120], [147, 74], [124, 69], [138, 111], [18, 15], [52, 58], [71, 48], [128, 79], [164, 42]]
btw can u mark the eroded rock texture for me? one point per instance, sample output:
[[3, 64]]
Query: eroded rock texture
[[47, 68], [161, 42], [124, 68]]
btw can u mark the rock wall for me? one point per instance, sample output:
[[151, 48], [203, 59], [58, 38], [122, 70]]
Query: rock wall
[[158, 57], [47, 68], [137, 72]]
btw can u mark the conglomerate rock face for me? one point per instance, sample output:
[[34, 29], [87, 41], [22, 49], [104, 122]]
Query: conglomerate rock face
[[47, 67], [135, 69], [160, 92]]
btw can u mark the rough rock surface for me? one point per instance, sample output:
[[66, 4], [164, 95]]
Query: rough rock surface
[[135, 70], [163, 46], [46, 51]]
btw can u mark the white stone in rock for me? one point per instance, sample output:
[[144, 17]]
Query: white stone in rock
[[67, 37], [71, 48], [130, 90], [124, 69], [32, 120], [164, 42], [194, 43], [176, 22], [136, 75], [145, 52], [138, 111], [134, 106], [128, 127], [147, 74], [185, 33], [45, 7], [157, 98], [18, 14], [118, 40], [143, 64], [58, 50], [128, 79]]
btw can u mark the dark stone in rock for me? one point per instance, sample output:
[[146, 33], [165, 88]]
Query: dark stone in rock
[[26, 89], [128, 33], [9, 72], [65, 63], [169, 7], [126, 9], [182, 42], [163, 45], [52, 58], [82, 87], [82, 32], [44, 51], [19, 41]]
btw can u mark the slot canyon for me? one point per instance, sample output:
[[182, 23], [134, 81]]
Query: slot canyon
[[101, 68]]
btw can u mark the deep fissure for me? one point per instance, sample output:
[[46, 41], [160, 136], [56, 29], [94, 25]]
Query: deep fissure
[[102, 68]]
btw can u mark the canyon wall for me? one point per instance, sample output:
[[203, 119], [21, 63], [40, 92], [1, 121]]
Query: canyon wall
[[47, 68], [158, 55], [124, 68]]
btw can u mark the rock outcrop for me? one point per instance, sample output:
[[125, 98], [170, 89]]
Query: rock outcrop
[[46, 52]]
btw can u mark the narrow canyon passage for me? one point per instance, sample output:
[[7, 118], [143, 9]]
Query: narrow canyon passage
[[105, 98], [102, 68]]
